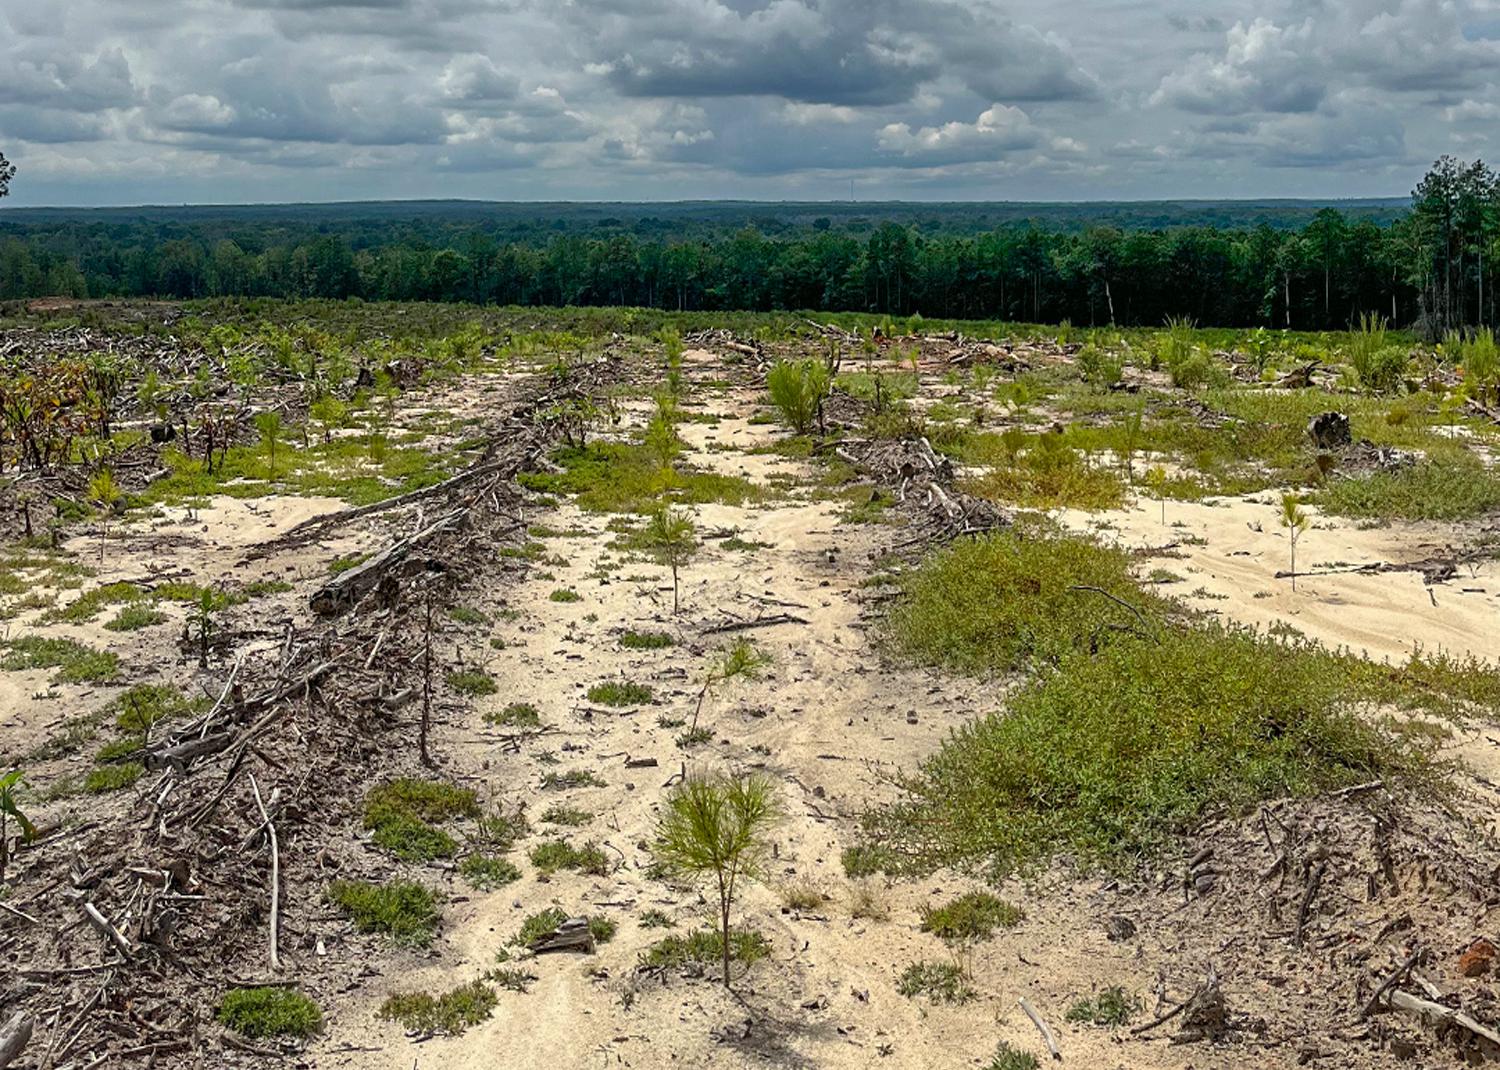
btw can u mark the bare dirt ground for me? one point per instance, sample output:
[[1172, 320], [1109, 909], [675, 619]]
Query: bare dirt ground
[[831, 718]]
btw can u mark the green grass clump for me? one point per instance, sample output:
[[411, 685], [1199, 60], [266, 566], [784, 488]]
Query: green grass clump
[[538, 924], [565, 594], [633, 640], [452, 1012], [404, 910], [553, 855], [516, 715], [472, 683], [1112, 1007], [557, 814], [1049, 475], [706, 947], [135, 617], [1007, 601], [106, 778], [941, 982], [1423, 491], [974, 916], [628, 477], [403, 814], [573, 778], [620, 693], [467, 615], [74, 662], [488, 872], [1009, 1058], [140, 707], [269, 1012], [89, 605], [655, 919], [1109, 754]]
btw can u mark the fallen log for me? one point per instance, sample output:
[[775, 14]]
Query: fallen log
[[14, 1036], [571, 935], [347, 588], [1405, 1001]]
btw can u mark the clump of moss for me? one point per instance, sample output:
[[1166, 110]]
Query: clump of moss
[[634, 640], [553, 855], [404, 910], [269, 1012], [403, 814]]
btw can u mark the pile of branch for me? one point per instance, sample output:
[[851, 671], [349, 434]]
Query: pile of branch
[[719, 337], [922, 481], [129, 928]]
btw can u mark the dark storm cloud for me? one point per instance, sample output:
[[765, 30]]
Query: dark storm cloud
[[695, 98]]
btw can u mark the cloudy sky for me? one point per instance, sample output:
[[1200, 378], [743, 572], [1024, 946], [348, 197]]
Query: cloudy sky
[[170, 101]]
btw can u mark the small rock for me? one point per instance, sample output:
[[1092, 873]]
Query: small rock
[[1119, 928], [1478, 959]]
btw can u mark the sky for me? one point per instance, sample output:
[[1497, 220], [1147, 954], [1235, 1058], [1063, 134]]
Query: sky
[[219, 101]]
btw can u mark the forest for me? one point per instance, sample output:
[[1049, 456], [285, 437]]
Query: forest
[[1259, 264]]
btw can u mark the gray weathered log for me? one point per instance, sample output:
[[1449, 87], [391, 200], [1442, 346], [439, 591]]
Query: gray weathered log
[[347, 588], [15, 1034]]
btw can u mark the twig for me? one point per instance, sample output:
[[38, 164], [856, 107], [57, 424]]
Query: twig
[[100, 922], [1314, 881], [758, 622], [1389, 983], [275, 872], [1036, 1020], [19, 913], [15, 1034], [1115, 599], [1405, 1001]]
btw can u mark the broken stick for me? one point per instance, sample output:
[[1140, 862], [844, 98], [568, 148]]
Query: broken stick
[[1046, 1031], [275, 872]]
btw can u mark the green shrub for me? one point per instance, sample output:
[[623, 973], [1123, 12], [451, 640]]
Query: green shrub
[[974, 916], [467, 615], [404, 910], [865, 860], [539, 924], [620, 693], [705, 947], [565, 594], [941, 982], [633, 640], [472, 683], [452, 1012], [1112, 1007], [269, 1012], [402, 813], [1006, 601], [488, 872], [558, 814], [139, 708], [797, 389], [1450, 490], [1111, 753]]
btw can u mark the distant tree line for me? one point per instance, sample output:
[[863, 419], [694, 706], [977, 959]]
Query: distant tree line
[[1433, 267]]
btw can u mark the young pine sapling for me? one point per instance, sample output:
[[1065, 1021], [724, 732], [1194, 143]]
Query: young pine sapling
[[739, 660], [268, 423], [670, 538], [1295, 520], [105, 494], [1156, 480], [718, 825]]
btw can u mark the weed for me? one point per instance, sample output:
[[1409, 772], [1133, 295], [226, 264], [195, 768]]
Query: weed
[[140, 707], [501, 830], [537, 925], [573, 778], [865, 860], [106, 778], [565, 594], [633, 640], [557, 814], [488, 872], [1009, 1058], [694, 737], [620, 693], [553, 855], [514, 980], [516, 715], [1452, 490], [797, 390], [74, 662], [704, 947], [866, 900], [1112, 1007], [974, 916], [346, 562], [467, 615], [452, 1013], [941, 982], [802, 895], [472, 683], [429, 800], [655, 919], [269, 1012], [404, 910], [134, 618]]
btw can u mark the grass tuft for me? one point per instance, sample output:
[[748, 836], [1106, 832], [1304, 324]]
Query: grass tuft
[[553, 855], [1111, 1007], [941, 982], [974, 916], [404, 910], [488, 872], [633, 640], [618, 693], [269, 1012], [472, 683], [74, 662], [705, 947], [452, 1013]]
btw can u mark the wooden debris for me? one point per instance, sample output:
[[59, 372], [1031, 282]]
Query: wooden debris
[[15, 1034], [1047, 1036], [572, 935]]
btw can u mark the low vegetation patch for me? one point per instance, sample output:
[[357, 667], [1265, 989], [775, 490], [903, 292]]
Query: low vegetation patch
[[269, 1012], [866, 860], [941, 982], [557, 814], [135, 617], [403, 815], [620, 693], [1424, 491], [472, 683], [705, 947], [452, 1012], [404, 910], [573, 778], [106, 778], [554, 855], [1112, 1007], [633, 640], [974, 916], [516, 715], [1009, 1058], [74, 662], [488, 872]]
